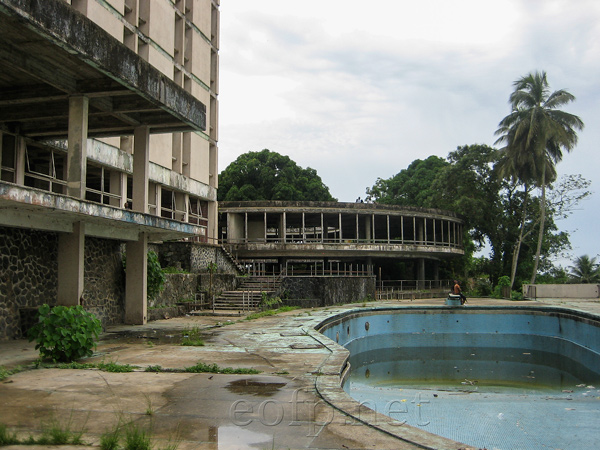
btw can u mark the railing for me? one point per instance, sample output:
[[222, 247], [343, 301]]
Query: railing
[[337, 241], [403, 289]]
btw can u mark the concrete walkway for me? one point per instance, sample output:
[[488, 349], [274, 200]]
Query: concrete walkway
[[294, 403]]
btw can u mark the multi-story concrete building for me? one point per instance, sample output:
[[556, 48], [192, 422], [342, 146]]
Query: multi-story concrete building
[[108, 127]]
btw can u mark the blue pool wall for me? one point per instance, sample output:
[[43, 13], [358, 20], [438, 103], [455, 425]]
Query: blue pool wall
[[572, 335]]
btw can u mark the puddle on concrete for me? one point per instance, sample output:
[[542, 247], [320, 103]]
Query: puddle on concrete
[[239, 438], [254, 387], [156, 337]]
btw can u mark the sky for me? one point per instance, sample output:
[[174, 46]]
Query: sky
[[358, 90]]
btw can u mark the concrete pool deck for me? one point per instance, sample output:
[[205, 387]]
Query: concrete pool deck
[[293, 403]]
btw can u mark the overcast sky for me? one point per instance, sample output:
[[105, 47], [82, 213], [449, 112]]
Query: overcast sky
[[358, 90]]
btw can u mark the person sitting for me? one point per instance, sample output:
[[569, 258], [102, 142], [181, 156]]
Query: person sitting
[[456, 290]]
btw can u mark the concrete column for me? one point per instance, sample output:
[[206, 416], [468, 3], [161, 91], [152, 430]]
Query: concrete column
[[141, 169], [340, 225], [420, 272], [77, 146], [213, 222], [283, 228], [265, 221], [71, 265], [388, 228], [322, 229], [20, 161], [303, 229], [368, 228], [420, 236], [136, 287]]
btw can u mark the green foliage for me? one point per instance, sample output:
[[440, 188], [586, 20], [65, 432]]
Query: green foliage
[[156, 277], [156, 368], [269, 302], [137, 438], [110, 439], [5, 373], [7, 438], [191, 337], [268, 175], [116, 367], [411, 186], [503, 283], [65, 333], [200, 367], [585, 270], [270, 312]]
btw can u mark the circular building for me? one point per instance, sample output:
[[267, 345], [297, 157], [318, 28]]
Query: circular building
[[315, 238]]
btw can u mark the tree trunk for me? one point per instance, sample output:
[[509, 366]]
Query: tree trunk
[[542, 223], [517, 250]]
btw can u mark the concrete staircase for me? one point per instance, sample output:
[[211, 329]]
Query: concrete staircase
[[241, 269], [249, 294]]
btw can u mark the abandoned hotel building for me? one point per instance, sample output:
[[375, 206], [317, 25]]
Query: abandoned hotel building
[[108, 126], [108, 143]]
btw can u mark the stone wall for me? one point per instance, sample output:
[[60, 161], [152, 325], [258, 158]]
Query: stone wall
[[104, 280], [326, 291], [29, 274], [178, 287], [195, 258]]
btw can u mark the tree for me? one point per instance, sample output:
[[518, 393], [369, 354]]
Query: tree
[[585, 270], [409, 187], [535, 133], [267, 175]]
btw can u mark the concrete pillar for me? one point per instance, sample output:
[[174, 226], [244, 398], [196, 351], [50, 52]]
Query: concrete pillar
[[136, 304], [213, 223], [20, 161], [71, 265], [368, 236], [141, 169], [420, 235], [420, 272], [77, 146]]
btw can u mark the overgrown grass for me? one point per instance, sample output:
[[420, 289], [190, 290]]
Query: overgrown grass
[[53, 433], [270, 312], [191, 337], [116, 367], [200, 367], [5, 373]]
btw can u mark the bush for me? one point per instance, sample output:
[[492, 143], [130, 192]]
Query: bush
[[65, 333], [155, 274]]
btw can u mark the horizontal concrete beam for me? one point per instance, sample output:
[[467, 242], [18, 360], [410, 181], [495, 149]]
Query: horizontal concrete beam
[[34, 209]]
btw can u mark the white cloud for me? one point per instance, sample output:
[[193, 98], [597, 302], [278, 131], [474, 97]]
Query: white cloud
[[359, 90]]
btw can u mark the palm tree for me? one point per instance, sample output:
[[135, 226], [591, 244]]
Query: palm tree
[[535, 133], [585, 270]]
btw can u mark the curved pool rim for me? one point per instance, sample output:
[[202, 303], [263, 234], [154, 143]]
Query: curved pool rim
[[336, 369]]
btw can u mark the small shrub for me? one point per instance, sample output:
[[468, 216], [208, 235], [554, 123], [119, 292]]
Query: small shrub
[[110, 439], [65, 333], [191, 337], [116, 367], [7, 438], [157, 368], [156, 277], [213, 368], [137, 438]]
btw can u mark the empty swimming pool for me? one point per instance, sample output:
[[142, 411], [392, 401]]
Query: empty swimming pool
[[501, 377]]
